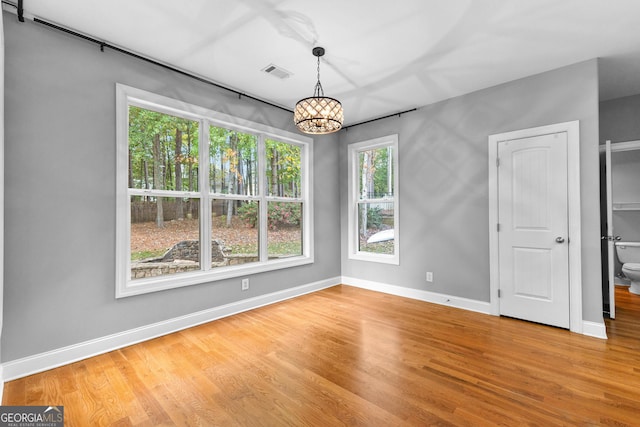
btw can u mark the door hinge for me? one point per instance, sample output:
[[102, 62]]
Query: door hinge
[[497, 161], [499, 294], [498, 227]]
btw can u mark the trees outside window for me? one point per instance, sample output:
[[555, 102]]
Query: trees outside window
[[203, 196], [373, 199]]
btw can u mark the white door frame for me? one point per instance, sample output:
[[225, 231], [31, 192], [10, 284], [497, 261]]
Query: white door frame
[[608, 148], [610, 241], [575, 242]]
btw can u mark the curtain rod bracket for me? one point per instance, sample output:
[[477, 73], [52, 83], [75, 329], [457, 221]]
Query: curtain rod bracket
[[20, 11]]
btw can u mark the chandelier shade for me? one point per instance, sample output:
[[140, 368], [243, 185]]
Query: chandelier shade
[[318, 114]]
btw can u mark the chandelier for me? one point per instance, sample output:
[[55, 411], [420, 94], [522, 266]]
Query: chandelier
[[318, 114]]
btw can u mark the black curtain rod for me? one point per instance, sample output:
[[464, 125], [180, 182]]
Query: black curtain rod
[[104, 44], [380, 118]]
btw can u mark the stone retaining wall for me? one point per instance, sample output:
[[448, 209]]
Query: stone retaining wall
[[142, 270]]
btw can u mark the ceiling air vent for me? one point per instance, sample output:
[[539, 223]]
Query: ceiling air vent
[[276, 71]]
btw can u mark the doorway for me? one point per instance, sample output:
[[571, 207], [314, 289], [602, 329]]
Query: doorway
[[620, 201], [527, 240]]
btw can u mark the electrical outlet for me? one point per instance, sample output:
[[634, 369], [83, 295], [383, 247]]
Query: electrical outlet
[[429, 276], [245, 284]]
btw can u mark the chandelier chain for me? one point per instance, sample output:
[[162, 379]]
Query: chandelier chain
[[318, 91]]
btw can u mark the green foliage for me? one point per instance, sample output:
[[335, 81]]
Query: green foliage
[[233, 161], [283, 168], [233, 169], [280, 214], [141, 255], [374, 166], [283, 214], [248, 213], [284, 248], [147, 126], [274, 249], [378, 248], [374, 217]]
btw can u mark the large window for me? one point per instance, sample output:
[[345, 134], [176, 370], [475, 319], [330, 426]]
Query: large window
[[373, 200], [203, 196]]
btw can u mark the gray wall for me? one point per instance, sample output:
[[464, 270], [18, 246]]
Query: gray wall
[[443, 153], [60, 194], [60, 189], [620, 119]]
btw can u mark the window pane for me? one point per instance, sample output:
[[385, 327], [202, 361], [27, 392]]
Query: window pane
[[375, 173], [283, 169], [163, 151], [233, 162], [375, 228], [284, 234], [234, 232], [165, 236]]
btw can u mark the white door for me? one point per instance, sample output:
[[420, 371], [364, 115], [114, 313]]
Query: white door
[[533, 229]]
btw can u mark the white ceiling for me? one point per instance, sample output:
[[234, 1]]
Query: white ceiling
[[382, 57]]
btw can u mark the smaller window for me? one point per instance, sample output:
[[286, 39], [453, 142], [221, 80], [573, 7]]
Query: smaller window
[[373, 200]]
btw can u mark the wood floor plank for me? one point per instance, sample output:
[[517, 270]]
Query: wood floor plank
[[347, 356]]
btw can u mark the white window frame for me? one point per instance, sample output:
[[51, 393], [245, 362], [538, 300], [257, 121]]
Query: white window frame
[[126, 96], [354, 200]]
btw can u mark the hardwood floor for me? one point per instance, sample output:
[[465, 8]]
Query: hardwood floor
[[347, 356]]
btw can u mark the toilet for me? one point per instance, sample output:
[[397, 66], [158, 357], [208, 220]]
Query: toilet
[[629, 255]]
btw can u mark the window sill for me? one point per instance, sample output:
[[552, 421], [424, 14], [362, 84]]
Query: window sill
[[379, 258]]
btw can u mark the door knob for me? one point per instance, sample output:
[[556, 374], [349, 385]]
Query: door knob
[[560, 239]]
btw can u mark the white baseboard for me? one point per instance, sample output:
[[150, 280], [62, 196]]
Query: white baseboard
[[594, 329], [418, 294], [51, 359]]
